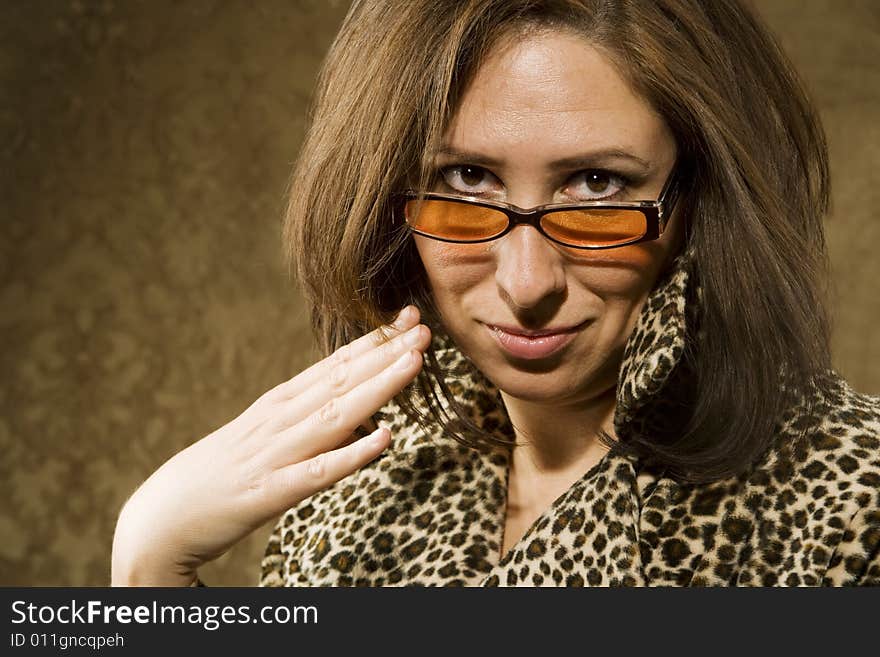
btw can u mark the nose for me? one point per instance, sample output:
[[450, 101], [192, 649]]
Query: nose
[[529, 270]]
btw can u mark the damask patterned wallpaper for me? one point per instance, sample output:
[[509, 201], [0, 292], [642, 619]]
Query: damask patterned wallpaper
[[144, 155]]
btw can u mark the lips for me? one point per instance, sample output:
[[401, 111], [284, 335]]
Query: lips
[[524, 343], [513, 330]]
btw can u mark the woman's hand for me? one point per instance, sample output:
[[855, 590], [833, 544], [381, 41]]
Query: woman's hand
[[293, 441]]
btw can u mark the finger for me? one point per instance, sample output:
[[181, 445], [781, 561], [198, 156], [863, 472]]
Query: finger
[[291, 484], [407, 318], [334, 422], [347, 375]]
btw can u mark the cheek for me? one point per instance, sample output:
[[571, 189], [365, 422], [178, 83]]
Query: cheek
[[639, 257], [453, 268], [628, 272]]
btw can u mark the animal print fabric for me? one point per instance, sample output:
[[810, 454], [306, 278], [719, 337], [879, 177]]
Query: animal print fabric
[[431, 512]]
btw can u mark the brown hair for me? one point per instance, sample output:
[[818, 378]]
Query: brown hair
[[755, 194]]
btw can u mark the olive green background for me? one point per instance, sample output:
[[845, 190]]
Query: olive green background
[[145, 149]]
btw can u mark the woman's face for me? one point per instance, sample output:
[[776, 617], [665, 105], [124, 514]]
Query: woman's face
[[547, 119]]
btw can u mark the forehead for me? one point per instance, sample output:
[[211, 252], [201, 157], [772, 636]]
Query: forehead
[[556, 91]]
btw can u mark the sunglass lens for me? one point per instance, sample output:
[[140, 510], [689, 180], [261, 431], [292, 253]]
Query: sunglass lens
[[595, 227], [454, 221]]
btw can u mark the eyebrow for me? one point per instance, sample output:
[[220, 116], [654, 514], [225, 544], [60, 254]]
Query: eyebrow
[[602, 157]]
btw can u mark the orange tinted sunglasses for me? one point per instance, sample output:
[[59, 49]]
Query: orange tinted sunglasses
[[590, 225]]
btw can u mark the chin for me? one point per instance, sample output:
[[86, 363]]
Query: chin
[[536, 392], [549, 381]]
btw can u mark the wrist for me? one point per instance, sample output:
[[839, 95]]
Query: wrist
[[143, 572], [139, 561]]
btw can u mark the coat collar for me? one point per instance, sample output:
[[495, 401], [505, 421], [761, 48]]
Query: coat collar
[[590, 533]]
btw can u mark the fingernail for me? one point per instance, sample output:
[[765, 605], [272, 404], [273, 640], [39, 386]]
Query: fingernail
[[375, 439], [402, 317], [405, 361], [413, 336]]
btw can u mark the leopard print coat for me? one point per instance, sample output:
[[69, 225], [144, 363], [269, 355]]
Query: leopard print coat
[[431, 512]]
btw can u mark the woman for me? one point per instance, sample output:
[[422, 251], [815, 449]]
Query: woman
[[608, 217]]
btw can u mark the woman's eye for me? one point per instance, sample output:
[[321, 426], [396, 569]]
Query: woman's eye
[[468, 178], [595, 185]]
